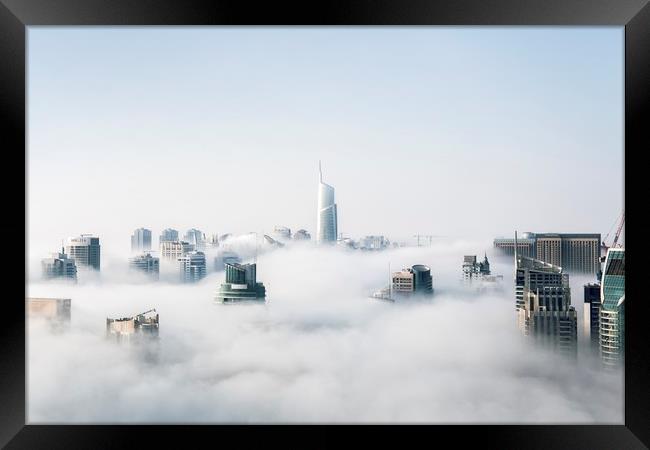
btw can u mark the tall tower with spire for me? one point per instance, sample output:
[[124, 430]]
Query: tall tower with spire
[[327, 221]]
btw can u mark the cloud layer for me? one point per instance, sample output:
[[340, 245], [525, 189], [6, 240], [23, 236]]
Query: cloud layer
[[319, 351]]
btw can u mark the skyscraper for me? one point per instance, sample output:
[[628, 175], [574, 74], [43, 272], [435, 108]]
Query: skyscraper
[[543, 303], [146, 263], [141, 240], [172, 250], [168, 235], [612, 308], [579, 253], [326, 228], [416, 280], [241, 285], [192, 267], [473, 269], [591, 313], [58, 265], [196, 238], [85, 251]]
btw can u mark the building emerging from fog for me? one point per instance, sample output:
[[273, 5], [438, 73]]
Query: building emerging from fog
[[85, 251], [241, 285], [282, 233], [373, 243], [326, 227], [225, 257], [591, 313], [58, 265], [543, 304], [475, 270], [145, 263], [54, 310], [414, 281], [612, 308], [127, 328], [141, 240], [573, 252], [192, 267], [301, 235], [172, 250], [168, 235], [196, 238]]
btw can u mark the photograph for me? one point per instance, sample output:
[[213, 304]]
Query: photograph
[[325, 225]]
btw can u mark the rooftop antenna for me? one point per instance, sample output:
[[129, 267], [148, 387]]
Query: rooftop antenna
[[320, 171]]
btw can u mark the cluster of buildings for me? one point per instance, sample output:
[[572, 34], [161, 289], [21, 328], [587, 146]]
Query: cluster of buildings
[[579, 253], [132, 329], [477, 274], [545, 313], [81, 252]]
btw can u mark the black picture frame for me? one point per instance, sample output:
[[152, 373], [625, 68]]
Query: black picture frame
[[16, 15]]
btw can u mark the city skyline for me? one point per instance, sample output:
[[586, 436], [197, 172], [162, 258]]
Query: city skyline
[[454, 114]]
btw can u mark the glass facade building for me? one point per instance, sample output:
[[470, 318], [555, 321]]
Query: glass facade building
[[612, 308]]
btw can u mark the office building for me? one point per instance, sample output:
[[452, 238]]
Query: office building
[[141, 240], [58, 265], [85, 250], [612, 308], [145, 263], [414, 280], [525, 246], [172, 250], [543, 304], [168, 235], [301, 235], [282, 233], [373, 243], [143, 325], [241, 285], [574, 252], [56, 310], [192, 267], [591, 314], [326, 228], [196, 238], [473, 270]]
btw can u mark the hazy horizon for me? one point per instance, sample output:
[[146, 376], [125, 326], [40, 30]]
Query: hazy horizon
[[448, 131]]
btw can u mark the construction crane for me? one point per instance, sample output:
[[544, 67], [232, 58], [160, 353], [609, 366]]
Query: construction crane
[[615, 243], [428, 236]]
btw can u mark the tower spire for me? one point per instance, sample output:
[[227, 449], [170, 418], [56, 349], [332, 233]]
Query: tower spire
[[320, 171]]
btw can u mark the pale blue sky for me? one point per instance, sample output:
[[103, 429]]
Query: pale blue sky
[[437, 130]]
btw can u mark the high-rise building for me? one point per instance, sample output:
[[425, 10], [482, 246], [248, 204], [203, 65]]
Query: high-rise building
[[543, 304], [196, 238], [326, 228], [53, 309], [168, 235], [141, 240], [241, 285], [416, 280], [85, 250], [591, 313], [143, 325], [473, 269], [192, 267], [172, 250], [579, 253], [374, 243], [525, 246], [282, 233], [612, 308], [301, 235], [146, 263], [58, 265], [225, 257]]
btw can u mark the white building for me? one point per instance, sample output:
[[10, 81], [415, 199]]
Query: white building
[[85, 251], [172, 250], [146, 263], [192, 267], [326, 229]]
